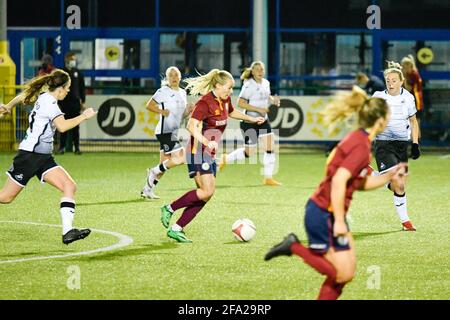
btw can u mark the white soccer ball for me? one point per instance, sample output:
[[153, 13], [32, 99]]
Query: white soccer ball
[[243, 230]]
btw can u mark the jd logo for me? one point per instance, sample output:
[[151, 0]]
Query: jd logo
[[287, 119], [116, 117]]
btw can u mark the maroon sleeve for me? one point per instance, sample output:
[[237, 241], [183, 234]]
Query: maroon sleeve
[[230, 107], [200, 111], [356, 160]]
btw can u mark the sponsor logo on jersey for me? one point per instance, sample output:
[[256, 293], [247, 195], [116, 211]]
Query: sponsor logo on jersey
[[217, 112], [363, 172], [221, 123]]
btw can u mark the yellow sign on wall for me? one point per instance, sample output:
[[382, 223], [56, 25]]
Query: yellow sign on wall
[[112, 53], [425, 55]]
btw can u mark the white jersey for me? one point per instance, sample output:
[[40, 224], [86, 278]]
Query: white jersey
[[40, 132], [257, 95], [402, 107], [173, 100]]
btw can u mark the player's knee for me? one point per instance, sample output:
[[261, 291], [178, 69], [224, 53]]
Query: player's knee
[[70, 187], [207, 194], [6, 199], [345, 276]]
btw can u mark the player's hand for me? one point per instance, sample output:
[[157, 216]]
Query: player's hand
[[276, 101], [165, 112], [400, 172], [212, 145], [340, 228], [89, 113], [3, 110], [259, 120], [415, 151]]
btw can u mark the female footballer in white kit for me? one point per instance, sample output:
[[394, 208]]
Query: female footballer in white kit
[[391, 145], [170, 103], [255, 97], [34, 157]]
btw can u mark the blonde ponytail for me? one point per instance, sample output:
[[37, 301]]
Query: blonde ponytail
[[201, 85], [409, 59], [354, 105], [343, 106]]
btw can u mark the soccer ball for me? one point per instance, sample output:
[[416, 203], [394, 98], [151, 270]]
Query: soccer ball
[[243, 230]]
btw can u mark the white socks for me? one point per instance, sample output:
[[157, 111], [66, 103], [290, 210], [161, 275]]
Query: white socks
[[176, 227], [67, 213], [238, 154], [269, 164], [400, 206], [160, 168]]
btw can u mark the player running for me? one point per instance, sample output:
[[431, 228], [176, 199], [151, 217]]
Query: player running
[[206, 125], [171, 104], [255, 98], [391, 145], [34, 157], [331, 249]]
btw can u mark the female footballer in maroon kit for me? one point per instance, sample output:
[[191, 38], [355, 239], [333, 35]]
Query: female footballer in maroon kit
[[207, 123], [331, 250]]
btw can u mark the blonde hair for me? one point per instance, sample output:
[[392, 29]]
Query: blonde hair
[[347, 105], [394, 67], [409, 59], [164, 81], [203, 84], [247, 74], [58, 78]]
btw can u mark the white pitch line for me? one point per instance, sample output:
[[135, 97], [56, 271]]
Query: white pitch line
[[445, 156], [123, 242]]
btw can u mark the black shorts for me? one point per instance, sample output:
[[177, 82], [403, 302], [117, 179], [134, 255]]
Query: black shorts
[[27, 164], [203, 163], [389, 153], [168, 142], [319, 228], [252, 131]]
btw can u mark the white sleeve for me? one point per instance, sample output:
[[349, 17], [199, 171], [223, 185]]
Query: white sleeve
[[52, 111], [412, 110], [245, 91], [158, 96], [184, 95]]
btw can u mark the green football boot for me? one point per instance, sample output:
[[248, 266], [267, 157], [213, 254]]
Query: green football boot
[[178, 235], [166, 214]]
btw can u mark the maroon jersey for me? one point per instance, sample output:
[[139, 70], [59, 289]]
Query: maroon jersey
[[213, 114], [415, 82], [353, 154]]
